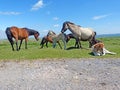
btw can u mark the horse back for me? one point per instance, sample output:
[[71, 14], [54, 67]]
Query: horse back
[[19, 33]]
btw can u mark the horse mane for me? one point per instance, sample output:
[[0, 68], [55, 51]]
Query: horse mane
[[70, 23], [30, 31]]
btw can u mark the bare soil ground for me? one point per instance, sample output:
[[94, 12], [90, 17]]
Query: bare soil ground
[[63, 74]]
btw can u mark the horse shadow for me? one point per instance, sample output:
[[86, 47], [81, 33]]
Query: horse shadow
[[91, 54], [70, 48]]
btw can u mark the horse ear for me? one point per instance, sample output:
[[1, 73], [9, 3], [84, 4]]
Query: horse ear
[[38, 33]]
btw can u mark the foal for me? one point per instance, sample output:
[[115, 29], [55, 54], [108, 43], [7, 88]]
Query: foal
[[58, 37], [98, 49], [48, 38], [69, 36]]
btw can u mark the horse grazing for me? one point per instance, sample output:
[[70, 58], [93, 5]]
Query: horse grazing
[[95, 41], [80, 33], [60, 36], [20, 34], [69, 36], [48, 38]]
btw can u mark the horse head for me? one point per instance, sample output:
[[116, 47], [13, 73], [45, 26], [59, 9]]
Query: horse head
[[51, 33], [98, 49], [36, 35], [33, 32], [65, 26], [94, 41]]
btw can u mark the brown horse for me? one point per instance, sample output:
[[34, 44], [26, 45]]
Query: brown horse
[[20, 34], [99, 49], [48, 38]]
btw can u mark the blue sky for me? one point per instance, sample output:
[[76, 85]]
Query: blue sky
[[101, 15]]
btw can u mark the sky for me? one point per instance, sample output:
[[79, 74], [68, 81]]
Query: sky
[[103, 16]]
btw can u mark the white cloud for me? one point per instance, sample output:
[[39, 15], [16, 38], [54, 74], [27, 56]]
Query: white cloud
[[9, 13], [55, 18], [38, 5], [100, 17]]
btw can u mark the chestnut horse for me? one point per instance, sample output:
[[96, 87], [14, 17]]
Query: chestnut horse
[[20, 34], [99, 49]]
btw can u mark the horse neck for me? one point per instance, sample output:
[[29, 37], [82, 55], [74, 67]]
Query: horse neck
[[73, 28], [70, 35], [31, 32]]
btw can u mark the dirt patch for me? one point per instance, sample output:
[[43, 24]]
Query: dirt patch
[[64, 74]]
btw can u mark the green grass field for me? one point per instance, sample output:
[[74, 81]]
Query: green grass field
[[34, 52]]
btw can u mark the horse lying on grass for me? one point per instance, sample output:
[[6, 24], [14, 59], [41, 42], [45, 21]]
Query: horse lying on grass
[[99, 49]]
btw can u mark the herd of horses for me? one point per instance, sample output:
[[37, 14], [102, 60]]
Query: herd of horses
[[77, 32]]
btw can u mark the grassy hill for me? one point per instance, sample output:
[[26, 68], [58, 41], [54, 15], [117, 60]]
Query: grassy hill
[[34, 52]]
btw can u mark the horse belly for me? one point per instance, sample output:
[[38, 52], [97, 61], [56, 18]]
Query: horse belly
[[86, 34], [23, 35], [49, 39]]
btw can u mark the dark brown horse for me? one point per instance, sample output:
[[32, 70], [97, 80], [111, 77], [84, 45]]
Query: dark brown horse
[[20, 34], [71, 36]]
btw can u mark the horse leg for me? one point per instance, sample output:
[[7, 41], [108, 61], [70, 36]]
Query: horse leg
[[11, 42], [80, 44], [64, 44], [77, 43], [47, 44], [12, 45], [20, 44], [90, 44], [17, 45], [42, 44], [25, 43], [59, 45], [54, 44]]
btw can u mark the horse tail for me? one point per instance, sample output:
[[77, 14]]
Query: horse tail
[[42, 41], [95, 33], [9, 35]]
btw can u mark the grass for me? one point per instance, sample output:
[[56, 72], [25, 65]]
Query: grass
[[34, 52]]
